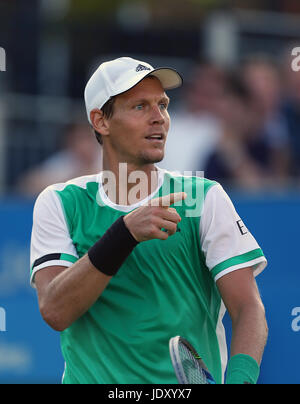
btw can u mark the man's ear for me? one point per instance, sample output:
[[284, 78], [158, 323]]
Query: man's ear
[[99, 122]]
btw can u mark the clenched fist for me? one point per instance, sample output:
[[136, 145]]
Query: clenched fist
[[147, 222]]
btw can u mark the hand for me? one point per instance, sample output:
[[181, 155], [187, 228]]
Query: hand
[[146, 222]]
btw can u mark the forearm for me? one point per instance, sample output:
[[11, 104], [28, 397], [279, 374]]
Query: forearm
[[249, 328], [249, 332], [71, 293], [248, 341]]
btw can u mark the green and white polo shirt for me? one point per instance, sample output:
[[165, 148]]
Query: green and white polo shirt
[[164, 288]]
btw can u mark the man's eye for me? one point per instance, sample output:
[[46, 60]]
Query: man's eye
[[139, 107], [163, 105]]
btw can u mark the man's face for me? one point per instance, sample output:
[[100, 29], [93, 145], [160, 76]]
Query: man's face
[[139, 125]]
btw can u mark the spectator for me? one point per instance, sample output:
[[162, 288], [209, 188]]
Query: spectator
[[291, 109], [254, 149], [195, 127], [79, 156], [264, 82], [234, 160]]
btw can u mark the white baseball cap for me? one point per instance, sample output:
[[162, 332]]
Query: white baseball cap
[[119, 75]]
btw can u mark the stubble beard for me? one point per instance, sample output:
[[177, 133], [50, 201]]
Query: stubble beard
[[148, 158]]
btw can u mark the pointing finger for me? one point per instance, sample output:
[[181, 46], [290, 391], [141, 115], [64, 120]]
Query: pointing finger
[[168, 200]]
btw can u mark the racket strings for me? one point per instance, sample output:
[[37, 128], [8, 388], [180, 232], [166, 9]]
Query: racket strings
[[192, 366]]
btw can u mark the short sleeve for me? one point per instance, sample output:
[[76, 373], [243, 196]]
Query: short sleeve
[[226, 242], [51, 243]]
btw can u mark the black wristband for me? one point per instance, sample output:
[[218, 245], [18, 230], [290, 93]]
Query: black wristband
[[109, 253]]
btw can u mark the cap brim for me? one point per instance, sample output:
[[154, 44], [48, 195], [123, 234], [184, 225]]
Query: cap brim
[[168, 77]]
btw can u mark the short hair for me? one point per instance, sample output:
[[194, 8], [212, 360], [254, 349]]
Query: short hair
[[108, 110]]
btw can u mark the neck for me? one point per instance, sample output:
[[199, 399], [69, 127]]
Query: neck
[[131, 183]]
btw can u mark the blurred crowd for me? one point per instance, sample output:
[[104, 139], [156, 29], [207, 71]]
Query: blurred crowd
[[238, 126], [78, 155]]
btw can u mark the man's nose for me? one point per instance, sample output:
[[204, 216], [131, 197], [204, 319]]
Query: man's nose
[[157, 115]]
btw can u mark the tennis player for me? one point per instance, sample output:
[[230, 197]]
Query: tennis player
[[119, 275]]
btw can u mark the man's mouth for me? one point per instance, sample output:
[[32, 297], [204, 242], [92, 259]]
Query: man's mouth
[[158, 137]]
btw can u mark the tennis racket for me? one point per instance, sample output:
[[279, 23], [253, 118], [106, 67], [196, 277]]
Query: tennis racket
[[188, 366]]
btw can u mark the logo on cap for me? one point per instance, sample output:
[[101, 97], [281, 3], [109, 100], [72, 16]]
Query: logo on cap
[[141, 67]]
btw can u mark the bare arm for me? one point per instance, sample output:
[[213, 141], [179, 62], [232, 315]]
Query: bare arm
[[65, 294], [242, 300]]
